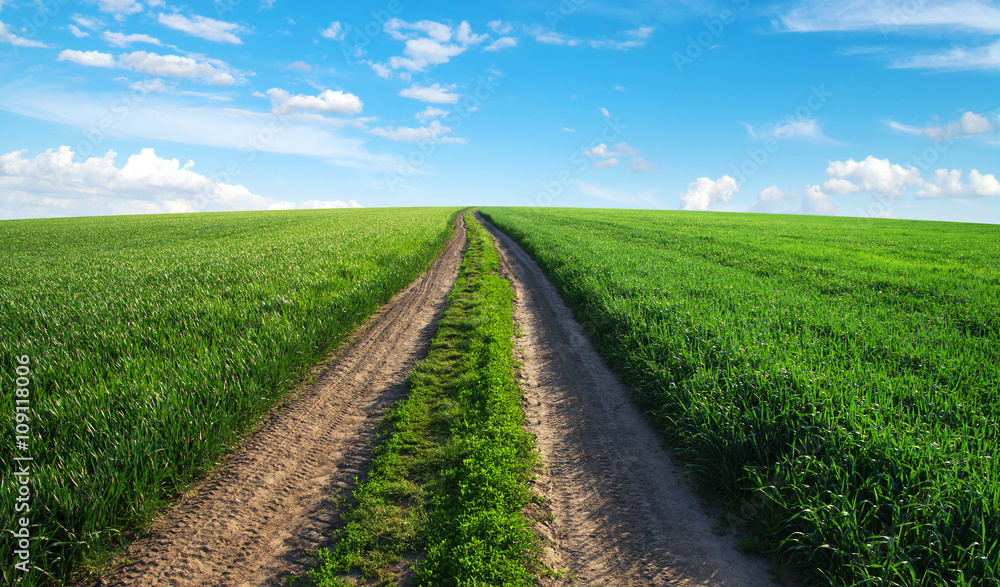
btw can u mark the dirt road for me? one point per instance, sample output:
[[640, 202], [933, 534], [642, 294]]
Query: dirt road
[[623, 513], [249, 522]]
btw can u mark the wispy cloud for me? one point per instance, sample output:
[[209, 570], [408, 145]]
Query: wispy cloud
[[631, 39], [8, 37], [984, 57], [435, 93], [885, 15], [203, 27]]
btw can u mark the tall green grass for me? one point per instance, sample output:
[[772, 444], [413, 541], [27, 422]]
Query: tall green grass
[[451, 474], [838, 379], [155, 341]]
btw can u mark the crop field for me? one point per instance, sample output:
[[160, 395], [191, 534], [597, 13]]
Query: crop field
[[155, 341], [837, 379]]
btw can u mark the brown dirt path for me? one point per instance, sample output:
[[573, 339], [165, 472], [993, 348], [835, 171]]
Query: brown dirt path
[[623, 513], [249, 522]]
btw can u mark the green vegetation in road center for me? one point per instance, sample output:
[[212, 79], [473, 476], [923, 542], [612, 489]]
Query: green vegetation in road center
[[155, 341], [451, 475], [838, 378]]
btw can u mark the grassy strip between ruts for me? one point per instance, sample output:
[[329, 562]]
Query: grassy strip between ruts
[[451, 475]]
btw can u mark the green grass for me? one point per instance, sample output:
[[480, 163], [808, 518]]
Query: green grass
[[155, 341], [451, 475], [838, 379]]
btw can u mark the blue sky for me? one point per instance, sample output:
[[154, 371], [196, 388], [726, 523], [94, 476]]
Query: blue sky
[[810, 106]]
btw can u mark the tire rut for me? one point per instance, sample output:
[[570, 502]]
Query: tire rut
[[623, 513], [272, 498]]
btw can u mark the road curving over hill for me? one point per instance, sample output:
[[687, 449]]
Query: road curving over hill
[[623, 514], [250, 521]]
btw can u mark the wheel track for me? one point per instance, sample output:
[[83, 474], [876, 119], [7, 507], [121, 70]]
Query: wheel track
[[623, 513], [250, 521]]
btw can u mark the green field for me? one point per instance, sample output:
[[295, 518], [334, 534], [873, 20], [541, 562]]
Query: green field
[[154, 341], [837, 379]]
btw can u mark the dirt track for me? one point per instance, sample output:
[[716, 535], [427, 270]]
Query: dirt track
[[249, 522], [624, 515]]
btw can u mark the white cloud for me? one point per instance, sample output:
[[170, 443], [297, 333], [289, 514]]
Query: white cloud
[[77, 32], [633, 39], [948, 184], [640, 165], [89, 22], [501, 43], [145, 183], [626, 150], [703, 193], [600, 150], [321, 204], [791, 128], [817, 202], [604, 163], [555, 38], [154, 86], [807, 129], [429, 113], [604, 112], [637, 164], [327, 102], [970, 123], [422, 53], [769, 198], [985, 57], [210, 71], [870, 176], [435, 93], [618, 89], [427, 43], [404, 133], [398, 28], [890, 15], [335, 31], [465, 36], [567, 129], [499, 27], [122, 40], [88, 58], [299, 66], [8, 37], [204, 27], [119, 8], [382, 70]]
